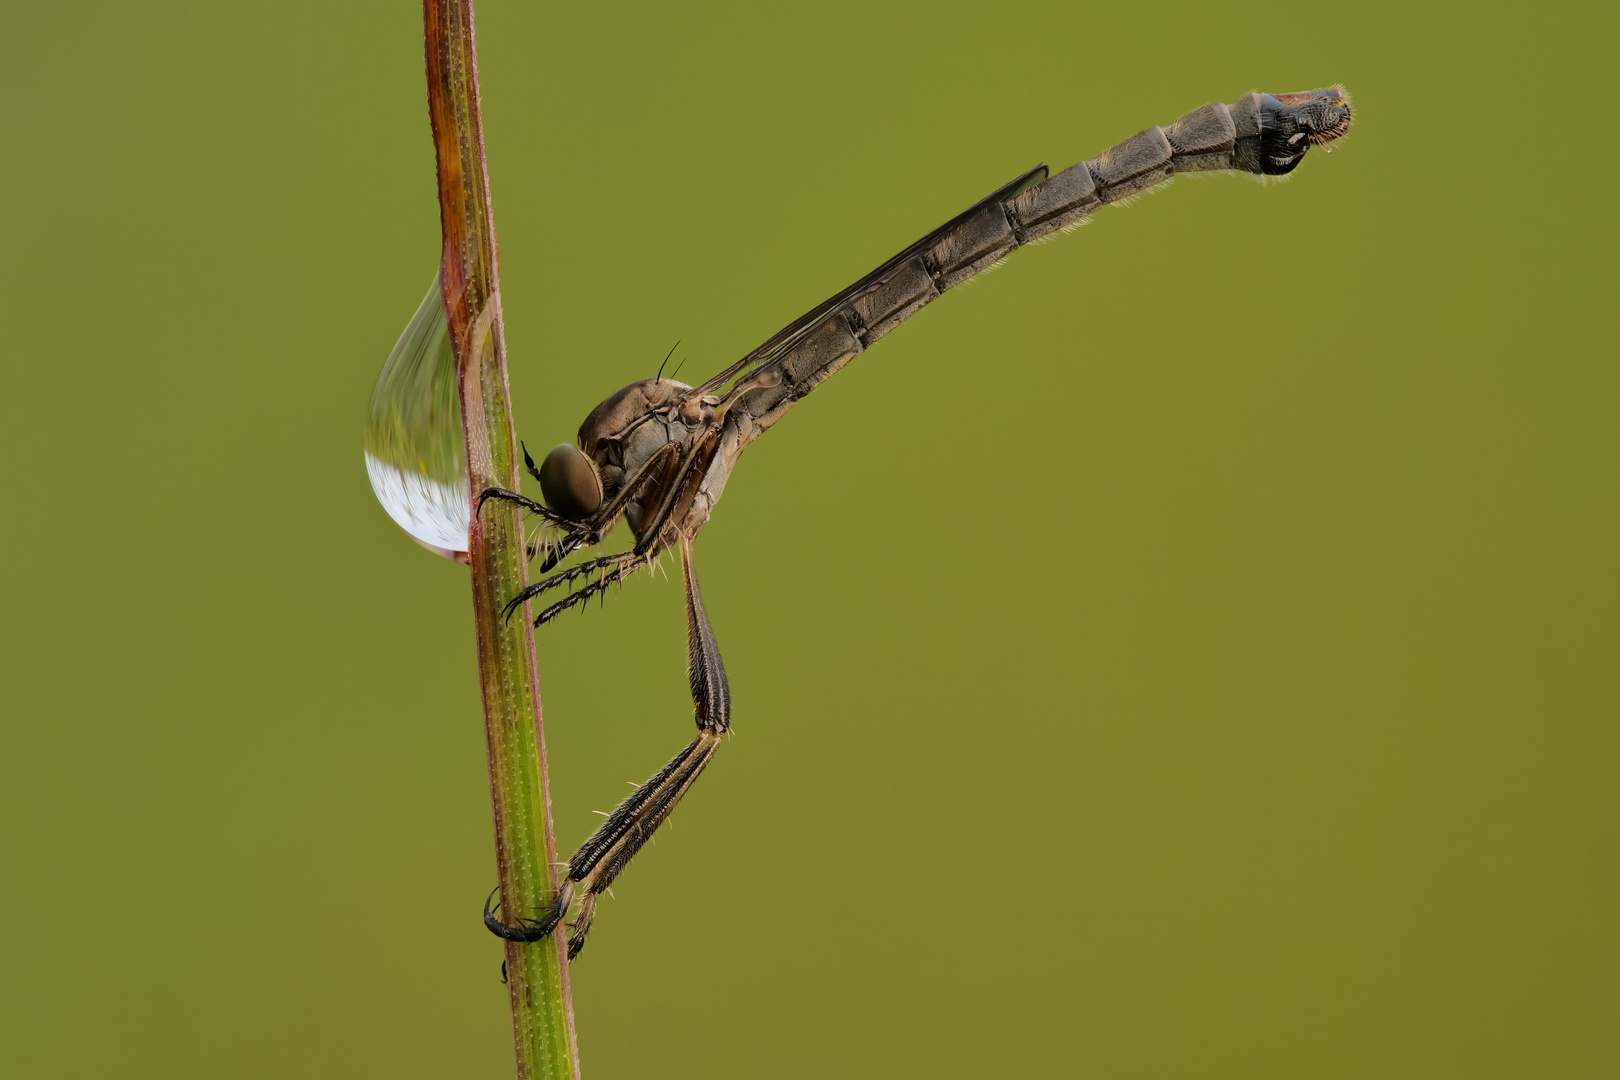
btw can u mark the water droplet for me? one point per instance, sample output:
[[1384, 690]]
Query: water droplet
[[416, 454]]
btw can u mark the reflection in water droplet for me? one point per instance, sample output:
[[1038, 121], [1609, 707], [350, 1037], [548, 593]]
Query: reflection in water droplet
[[416, 455]]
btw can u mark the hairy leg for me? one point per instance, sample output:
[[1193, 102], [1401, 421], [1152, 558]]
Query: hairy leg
[[604, 856]]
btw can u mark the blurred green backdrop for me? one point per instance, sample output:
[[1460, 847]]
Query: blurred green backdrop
[[1187, 652]]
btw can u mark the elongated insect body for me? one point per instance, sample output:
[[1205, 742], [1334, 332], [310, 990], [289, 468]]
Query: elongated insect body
[[1263, 134], [663, 451]]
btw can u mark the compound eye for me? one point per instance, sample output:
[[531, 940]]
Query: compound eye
[[569, 482]]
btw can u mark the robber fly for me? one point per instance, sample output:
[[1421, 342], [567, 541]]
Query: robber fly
[[659, 452]]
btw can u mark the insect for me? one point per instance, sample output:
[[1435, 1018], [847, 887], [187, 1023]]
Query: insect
[[658, 453]]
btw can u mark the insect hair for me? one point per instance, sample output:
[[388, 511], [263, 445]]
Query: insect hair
[[667, 355]]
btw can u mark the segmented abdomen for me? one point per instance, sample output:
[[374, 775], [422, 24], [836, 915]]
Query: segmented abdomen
[[1214, 137]]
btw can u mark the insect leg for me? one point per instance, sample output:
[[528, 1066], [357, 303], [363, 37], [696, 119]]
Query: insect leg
[[678, 496], [632, 562], [563, 578], [556, 553], [604, 856], [573, 537], [551, 516], [528, 929], [662, 458]]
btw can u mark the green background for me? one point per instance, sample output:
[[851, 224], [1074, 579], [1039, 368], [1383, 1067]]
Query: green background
[[1187, 652]]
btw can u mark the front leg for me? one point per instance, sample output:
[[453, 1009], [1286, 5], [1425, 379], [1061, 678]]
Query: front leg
[[609, 850], [550, 516]]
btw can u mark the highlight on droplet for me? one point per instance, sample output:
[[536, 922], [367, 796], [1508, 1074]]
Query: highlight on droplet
[[433, 513], [416, 454]]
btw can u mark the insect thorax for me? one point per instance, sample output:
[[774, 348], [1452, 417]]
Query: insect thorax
[[626, 430]]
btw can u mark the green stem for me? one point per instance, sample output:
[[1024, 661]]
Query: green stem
[[526, 856]]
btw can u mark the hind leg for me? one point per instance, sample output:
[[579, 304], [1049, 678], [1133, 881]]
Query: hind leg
[[604, 856]]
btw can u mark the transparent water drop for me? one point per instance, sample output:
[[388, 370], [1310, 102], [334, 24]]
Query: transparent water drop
[[416, 454]]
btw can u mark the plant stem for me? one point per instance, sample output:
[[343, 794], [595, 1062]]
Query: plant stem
[[526, 855]]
